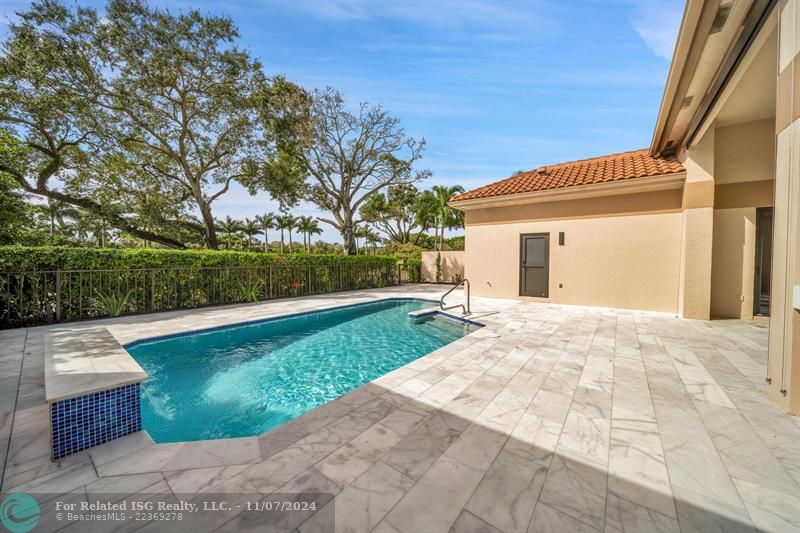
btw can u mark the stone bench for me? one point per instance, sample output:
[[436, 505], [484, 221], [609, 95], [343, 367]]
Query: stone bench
[[92, 385]]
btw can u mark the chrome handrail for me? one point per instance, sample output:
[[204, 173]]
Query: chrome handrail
[[466, 311]]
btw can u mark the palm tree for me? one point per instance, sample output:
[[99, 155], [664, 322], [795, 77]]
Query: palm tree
[[360, 232], [371, 238], [229, 227], [308, 226], [287, 222], [434, 210], [268, 221], [251, 228], [57, 213]]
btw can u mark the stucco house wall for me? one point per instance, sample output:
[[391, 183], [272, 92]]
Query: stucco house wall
[[452, 265], [744, 173], [621, 252]]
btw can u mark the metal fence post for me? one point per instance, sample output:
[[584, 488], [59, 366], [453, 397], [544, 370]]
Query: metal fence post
[[221, 293], [152, 290], [58, 295]]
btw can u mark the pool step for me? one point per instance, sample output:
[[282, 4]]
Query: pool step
[[423, 312]]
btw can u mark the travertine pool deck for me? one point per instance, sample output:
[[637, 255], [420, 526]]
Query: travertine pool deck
[[550, 418]]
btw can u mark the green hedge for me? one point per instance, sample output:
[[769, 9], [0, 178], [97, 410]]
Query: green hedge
[[45, 285], [30, 258]]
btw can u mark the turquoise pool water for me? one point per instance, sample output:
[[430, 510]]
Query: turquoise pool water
[[243, 380]]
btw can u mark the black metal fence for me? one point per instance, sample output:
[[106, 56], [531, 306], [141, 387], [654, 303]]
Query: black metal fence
[[43, 297]]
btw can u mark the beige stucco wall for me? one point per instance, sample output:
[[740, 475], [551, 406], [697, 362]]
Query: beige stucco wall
[[452, 265], [784, 337], [733, 263], [744, 172], [624, 261], [745, 152]]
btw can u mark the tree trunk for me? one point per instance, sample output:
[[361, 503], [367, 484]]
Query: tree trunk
[[349, 241], [208, 223], [290, 240], [281, 240]]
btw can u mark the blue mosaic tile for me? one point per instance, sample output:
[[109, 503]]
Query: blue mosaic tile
[[86, 421]]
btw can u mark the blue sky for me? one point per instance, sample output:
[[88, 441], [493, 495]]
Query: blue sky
[[494, 87]]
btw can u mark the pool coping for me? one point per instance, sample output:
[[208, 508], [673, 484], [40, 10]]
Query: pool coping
[[71, 369]]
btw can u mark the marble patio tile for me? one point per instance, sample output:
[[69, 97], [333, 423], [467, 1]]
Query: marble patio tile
[[32, 419], [27, 451], [465, 406], [469, 523], [215, 479], [122, 485], [364, 503], [507, 494], [406, 418], [220, 452], [149, 459], [158, 492], [425, 444], [48, 520], [625, 516], [271, 473], [552, 405], [534, 438], [121, 447], [585, 438], [478, 445], [414, 387], [692, 461], [637, 469], [506, 408], [546, 519], [703, 513], [744, 453], [771, 510], [6, 416], [310, 481], [281, 438], [485, 387], [359, 396], [435, 501], [351, 460], [592, 402], [576, 488], [58, 481]]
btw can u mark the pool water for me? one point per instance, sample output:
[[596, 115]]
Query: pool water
[[243, 380]]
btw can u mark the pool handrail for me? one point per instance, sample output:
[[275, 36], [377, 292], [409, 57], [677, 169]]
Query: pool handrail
[[466, 309]]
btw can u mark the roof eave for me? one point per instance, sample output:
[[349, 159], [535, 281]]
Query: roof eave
[[683, 45], [594, 190]]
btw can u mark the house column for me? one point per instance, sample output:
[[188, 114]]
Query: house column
[[784, 338], [694, 298]]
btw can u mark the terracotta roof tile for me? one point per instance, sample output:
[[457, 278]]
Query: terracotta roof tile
[[608, 168]]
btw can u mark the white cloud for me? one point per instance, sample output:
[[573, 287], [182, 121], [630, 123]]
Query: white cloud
[[657, 24]]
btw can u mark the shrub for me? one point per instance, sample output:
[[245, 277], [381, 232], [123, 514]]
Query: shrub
[[31, 258], [113, 303], [47, 284]]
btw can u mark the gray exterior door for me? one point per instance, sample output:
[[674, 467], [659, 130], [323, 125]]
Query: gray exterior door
[[763, 272], [534, 274]]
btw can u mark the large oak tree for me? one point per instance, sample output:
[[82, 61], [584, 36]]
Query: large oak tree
[[160, 112], [340, 158]]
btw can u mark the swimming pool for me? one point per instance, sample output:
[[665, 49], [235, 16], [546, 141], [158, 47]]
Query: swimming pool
[[243, 380]]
